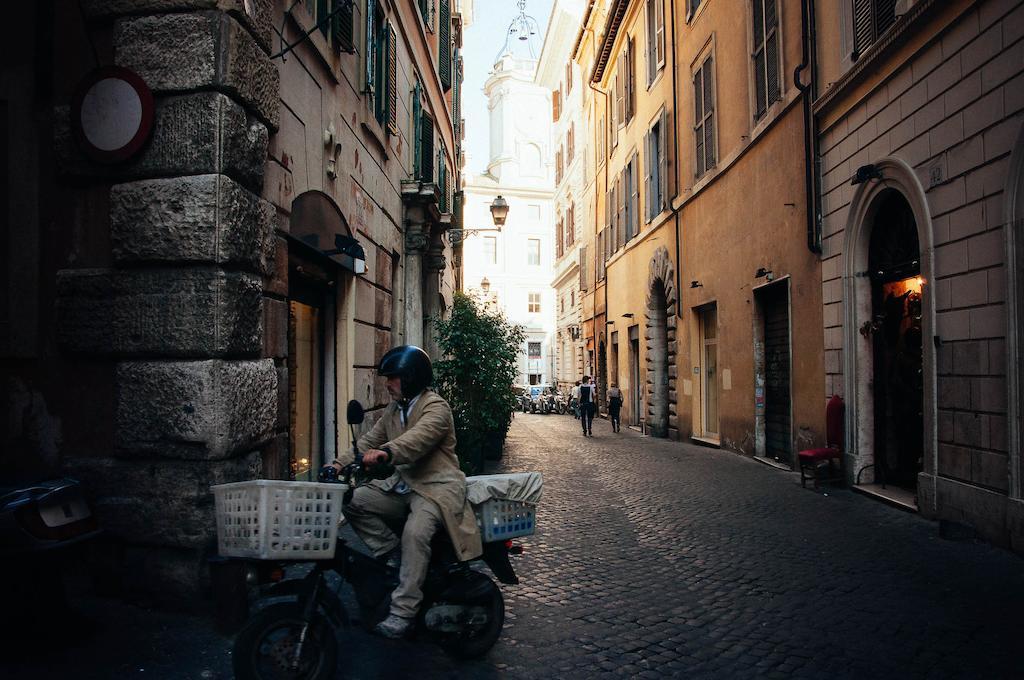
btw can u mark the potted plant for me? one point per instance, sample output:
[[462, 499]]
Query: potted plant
[[476, 376]]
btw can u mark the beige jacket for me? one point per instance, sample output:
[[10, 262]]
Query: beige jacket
[[424, 455]]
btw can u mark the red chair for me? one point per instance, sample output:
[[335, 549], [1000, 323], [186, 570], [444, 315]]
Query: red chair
[[811, 459]]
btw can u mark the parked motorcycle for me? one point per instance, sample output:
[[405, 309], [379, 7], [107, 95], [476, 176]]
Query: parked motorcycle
[[561, 403], [40, 525], [462, 610]]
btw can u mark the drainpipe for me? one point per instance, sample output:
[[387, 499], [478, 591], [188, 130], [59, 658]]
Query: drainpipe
[[675, 166], [809, 49]]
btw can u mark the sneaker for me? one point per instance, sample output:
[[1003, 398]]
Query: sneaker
[[394, 627]]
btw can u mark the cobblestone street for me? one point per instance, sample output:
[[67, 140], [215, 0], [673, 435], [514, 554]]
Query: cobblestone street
[[656, 559]]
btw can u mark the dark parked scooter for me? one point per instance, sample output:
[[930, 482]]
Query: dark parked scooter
[[462, 610], [41, 525]]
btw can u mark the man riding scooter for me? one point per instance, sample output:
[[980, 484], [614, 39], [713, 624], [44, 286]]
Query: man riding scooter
[[416, 433]]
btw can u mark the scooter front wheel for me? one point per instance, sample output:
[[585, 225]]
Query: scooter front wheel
[[265, 647], [473, 644]]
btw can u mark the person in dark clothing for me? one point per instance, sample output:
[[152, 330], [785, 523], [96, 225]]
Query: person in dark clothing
[[587, 406], [614, 406]]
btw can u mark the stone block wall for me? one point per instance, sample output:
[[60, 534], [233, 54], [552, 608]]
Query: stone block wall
[[952, 112], [179, 313]]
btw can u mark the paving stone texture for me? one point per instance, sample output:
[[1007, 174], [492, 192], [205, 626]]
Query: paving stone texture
[[656, 559]]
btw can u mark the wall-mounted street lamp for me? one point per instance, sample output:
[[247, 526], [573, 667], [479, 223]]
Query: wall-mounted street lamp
[[499, 213], [485, 285], [764, 273]]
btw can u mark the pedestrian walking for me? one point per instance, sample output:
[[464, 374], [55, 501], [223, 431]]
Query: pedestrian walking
[[614, 406], [587, 406], [574, 400]]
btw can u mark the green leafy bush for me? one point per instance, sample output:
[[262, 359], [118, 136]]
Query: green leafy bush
[[481, 355]]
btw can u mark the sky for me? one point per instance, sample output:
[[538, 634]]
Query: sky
[[481, 44]]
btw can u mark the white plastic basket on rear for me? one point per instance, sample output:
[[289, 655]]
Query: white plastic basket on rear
[[270, 519], [500, 519]]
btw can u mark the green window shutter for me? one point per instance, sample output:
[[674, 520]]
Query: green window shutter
[[343, 25], [442, 180], [444, 45], [417, 134], [457, 97], [371, 48], [392, 80], [426, 149]]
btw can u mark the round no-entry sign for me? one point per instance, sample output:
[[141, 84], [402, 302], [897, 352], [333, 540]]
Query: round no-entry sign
[[112, 114]]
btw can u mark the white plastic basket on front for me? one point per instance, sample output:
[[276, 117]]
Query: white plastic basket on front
[[269, 519], [500, 519], [505, 505]]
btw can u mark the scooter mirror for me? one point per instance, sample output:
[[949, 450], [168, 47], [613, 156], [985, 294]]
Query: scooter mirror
[[355, 412]]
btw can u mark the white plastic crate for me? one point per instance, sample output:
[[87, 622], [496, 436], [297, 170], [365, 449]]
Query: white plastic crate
[[500, 519], [270, 519]]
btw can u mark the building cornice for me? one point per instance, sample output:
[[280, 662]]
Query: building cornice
[[611, 32]]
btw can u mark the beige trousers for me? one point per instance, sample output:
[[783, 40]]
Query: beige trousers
[[371, 510]]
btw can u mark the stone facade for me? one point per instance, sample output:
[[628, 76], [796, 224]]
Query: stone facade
[[186, 327], [935, 106]]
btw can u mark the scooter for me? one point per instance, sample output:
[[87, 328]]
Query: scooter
[[463, 609], [41, 525]]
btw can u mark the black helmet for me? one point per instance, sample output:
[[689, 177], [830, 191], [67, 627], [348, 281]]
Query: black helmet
[[409, 363]]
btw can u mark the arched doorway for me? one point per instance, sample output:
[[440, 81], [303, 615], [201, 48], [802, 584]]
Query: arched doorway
[[888, 368], [661, 345], [894, 269], [657, 362]]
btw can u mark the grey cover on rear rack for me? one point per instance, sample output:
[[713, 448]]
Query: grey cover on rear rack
[[517, 486]]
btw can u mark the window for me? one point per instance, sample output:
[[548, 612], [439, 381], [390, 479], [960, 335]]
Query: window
[[556, 105], [572, 298], [424, 144], [444, 45], [871, 18], [533, 306], [425, 7], [491, 249], [655, 38], [584, 268], [602, 253], [561, 305], [767, 87], [381, 66], [568, 78], [691, 7], [343, 26], [656, 178], [600, 140], [533, 252], [570, 143], [558, 165], [570, 225], [559, 236], [704, 116], [535, 378], [630, 198], [625, 84]]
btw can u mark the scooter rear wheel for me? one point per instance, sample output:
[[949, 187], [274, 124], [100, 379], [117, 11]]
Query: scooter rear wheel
[[265, 646], [477, 643]]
